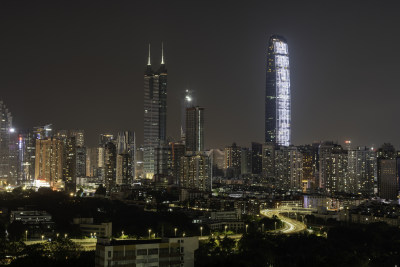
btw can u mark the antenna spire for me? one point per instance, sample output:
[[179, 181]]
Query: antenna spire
[[148, 60], [162, 53]]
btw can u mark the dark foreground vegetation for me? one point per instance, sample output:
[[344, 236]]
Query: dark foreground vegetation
[[133, 220], [60, 252], [356, 245]]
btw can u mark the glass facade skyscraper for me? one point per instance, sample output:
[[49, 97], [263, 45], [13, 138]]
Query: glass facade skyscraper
[[277, 97], [155, 115]]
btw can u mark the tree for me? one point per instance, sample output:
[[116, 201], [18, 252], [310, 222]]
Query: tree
[[16, 231]]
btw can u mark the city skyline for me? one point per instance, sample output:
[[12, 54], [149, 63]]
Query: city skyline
[[106, 68]]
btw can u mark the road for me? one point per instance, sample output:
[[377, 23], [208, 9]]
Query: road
[[290, 226]]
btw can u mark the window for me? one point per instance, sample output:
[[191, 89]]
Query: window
[[164, 251], [153, 251], [142, 252]]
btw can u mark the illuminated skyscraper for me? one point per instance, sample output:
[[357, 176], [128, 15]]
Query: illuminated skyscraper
[[277, 97], [155, 115], [49, 161], [6, 132], [188, 101]]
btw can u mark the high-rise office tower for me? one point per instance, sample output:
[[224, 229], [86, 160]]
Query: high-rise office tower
[[177, 152], [26, 156], [277, 97], [126, 144], [5, 131], [110, 162], [188, 101], [123, 169], [155, 115], [195, 129], [92, 164], [13, 160], [256, 158], [49, 161], [80, 161]]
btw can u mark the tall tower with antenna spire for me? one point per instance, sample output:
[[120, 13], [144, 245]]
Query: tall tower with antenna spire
[[155, 117]]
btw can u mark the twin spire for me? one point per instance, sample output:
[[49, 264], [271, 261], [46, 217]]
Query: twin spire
[[162, 55]]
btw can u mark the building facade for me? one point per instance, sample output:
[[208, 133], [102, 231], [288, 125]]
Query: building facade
[[155, 114], [195, 129], [277, 98], [174, 252]]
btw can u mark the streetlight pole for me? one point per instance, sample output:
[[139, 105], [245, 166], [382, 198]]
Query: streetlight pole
[[275, 226], [226, 226], [247, 226], [176, 229], [26, 235], [262, 227], [149, 233], [42, 237], [201, 231]]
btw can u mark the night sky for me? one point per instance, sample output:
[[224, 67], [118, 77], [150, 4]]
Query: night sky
[[80, 65]]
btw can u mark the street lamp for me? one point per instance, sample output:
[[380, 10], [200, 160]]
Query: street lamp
[[66, 235], [201, 231], [94, 234], [176, 229], [275, 226], [149, 233], [247, 226], [226, 227], [42, 237], [122, 234], [26, 235], [262, 227], [183, 234], [57, 235]]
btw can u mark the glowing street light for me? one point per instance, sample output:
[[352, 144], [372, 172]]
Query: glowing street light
[[176, 229], [262, 227], [42, 237], [122, 233], [226, 227], [247, 226], [57, 235], [149, 233], [201, 231], [183, 234], [66, 235], [26, 235]]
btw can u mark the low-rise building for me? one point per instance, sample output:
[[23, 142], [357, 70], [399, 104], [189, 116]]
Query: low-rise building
[[91, 229], [177, 251]]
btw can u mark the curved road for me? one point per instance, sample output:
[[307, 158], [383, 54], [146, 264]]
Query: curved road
[[290, 226]]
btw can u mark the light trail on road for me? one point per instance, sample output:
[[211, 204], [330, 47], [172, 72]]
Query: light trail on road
[[290, 226]]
